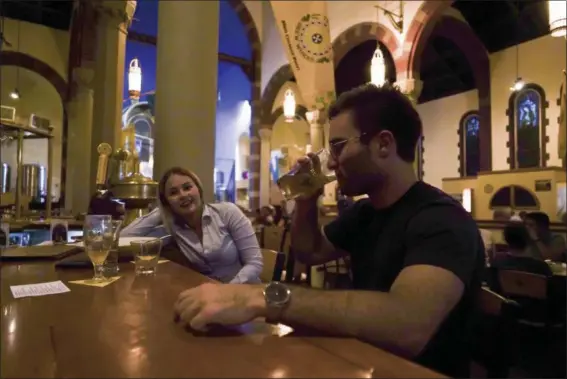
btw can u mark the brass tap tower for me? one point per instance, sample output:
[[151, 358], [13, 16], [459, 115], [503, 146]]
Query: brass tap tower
[[125, 181]]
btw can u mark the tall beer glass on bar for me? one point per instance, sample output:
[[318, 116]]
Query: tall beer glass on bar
[[304, 180]]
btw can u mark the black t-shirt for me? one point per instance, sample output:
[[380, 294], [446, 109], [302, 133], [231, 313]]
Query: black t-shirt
[[424, 227]]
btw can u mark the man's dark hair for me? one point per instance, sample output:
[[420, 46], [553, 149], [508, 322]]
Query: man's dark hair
[[541, 219], [516, 236], [382, 108]]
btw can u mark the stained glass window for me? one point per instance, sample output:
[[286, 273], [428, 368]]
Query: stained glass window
[[470, 145], [527, 129]]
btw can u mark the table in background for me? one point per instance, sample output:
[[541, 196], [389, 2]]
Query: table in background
[[126, 330]]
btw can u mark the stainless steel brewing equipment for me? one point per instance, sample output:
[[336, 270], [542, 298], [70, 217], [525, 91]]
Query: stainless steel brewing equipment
[[5, 172], [34, 181]]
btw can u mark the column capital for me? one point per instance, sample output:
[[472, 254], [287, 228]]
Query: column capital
[[83, 76], [411, 87], [316, 117], [265, 134], [121, 11]]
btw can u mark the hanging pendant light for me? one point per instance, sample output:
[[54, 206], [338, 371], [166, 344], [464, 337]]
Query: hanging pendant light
[[15, 94], [378, 68], [289, 106], [557, 17], [135, 80], [518, 85]]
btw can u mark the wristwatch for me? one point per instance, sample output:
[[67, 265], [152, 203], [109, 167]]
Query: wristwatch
[[277, 296]]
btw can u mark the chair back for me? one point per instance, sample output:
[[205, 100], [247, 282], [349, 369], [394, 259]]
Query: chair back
[[274, 263], [523, 284], [490, 303], [273, 237]]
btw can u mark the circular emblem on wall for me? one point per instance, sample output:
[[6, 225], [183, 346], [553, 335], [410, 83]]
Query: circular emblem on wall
[[310, 37], [488, 188]]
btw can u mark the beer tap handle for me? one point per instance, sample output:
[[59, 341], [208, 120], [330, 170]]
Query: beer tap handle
[[104, 151]]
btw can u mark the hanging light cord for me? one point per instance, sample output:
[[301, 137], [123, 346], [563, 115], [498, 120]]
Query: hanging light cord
[[18, 68], [518, 41]]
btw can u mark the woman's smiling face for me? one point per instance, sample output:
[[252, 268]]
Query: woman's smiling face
[[182, 194]]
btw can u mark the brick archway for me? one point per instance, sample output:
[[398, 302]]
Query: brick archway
[[359, 33], [419, 31], [17, 59], [347, 40], [430, 21], [14, 58], [254, 37]]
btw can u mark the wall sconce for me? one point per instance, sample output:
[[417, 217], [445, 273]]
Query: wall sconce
[[134, 79], [557, 18], [289, 106], [467, 199], [396, 19], [378, 68]]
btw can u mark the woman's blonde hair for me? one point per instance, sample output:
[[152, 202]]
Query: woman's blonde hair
[[167, 215]]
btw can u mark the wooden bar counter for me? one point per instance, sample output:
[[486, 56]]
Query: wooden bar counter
[[126, 329]]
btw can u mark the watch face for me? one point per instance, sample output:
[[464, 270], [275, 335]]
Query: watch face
[[277, 293]]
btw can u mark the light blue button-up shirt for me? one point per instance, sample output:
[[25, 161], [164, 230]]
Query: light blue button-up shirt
[[229, 252]]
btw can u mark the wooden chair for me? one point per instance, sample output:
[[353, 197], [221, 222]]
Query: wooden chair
[[537, 320], [531, 291], [274, 263], [492, 345], [523, 284]]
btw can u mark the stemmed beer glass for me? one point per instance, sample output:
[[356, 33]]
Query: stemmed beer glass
[[98, 238]]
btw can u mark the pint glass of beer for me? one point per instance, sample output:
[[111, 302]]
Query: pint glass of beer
[[304, 180]]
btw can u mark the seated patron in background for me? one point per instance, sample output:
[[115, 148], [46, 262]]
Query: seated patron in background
[[518, 257], [217, 240], [265, 216], [504, 214], [544, 244], [417, 255]]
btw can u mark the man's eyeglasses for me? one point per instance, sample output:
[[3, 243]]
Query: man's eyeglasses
[[337, 147]]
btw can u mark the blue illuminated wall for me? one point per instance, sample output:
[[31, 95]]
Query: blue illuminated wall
[[234, 87]]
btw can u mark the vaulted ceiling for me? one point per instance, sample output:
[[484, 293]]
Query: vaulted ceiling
[[499, 24], [445, 70], [54, 14]]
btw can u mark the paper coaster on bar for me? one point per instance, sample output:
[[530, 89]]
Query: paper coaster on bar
[[92, 283], [159, 262]]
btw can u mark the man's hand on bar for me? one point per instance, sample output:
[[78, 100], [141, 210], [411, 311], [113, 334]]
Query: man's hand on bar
[[223, 304]]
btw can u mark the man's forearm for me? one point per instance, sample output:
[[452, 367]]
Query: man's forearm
[[376, 317], [305, 232]]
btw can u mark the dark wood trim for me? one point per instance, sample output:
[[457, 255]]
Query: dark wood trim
[[557, 227], [462, 142], [511, 127], [512, 199], [245, 64]]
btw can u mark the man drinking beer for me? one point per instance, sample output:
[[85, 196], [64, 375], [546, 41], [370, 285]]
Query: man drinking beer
[[416, 254]]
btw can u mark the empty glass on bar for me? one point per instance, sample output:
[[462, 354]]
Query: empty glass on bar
[[111, 264], [97, 239], [304, 180], [146, 256]]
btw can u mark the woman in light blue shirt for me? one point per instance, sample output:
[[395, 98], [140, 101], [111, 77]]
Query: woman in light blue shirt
[[217, 239]]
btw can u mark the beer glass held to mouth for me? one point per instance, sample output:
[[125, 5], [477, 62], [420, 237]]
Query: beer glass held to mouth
[[305, 179]]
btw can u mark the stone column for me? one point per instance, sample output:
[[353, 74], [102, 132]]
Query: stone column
[[265, 156], [80, 118], [113, 19], [186, 89], [317, 126], [319, 129], [412, 88]]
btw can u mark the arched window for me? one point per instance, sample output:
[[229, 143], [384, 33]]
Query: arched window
[[469, 143], [526, 128], [515, 197]]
